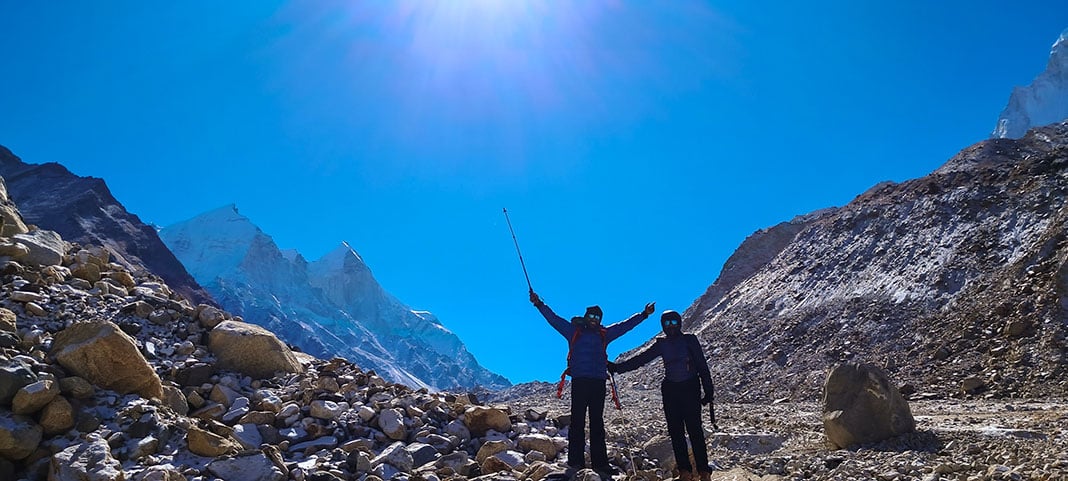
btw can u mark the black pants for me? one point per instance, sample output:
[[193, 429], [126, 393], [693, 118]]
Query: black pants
[[682, 408], [587, 394]]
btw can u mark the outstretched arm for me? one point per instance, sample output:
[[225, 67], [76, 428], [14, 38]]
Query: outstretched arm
[[558, 323], [639, 360], [620, 328]]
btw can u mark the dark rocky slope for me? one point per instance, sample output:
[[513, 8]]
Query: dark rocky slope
[[82, 210], [955, 283]]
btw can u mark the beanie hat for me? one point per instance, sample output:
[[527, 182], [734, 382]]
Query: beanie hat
[[594, 310]]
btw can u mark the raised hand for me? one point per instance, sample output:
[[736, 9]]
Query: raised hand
[[649, 308]]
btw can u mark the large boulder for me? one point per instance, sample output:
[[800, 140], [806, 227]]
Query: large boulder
[[104, 355], [88, 461], [250, 350], [46, 247], [861, 406]]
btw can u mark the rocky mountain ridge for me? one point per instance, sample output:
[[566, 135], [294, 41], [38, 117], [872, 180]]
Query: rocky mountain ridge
[[82, 210], [329, 307], [956, 283]]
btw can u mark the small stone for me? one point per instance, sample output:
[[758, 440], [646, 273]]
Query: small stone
[[35, 310]]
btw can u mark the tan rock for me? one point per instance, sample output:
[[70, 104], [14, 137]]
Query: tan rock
[[32, 398], [207, 443], [490, 449], [209, 316], [86, 271], [104, 355], [8, 320], [250, 350], [57, 417], [539, 442], [122, 277], [34, 309], [11, 222], [175, 399], [481, 419], [13, 249]]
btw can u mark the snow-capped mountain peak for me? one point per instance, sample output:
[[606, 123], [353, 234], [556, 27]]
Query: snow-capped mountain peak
[[332, 306], [208, 241], [1043, 102]]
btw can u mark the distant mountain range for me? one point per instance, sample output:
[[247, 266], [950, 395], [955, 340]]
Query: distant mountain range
[[330, 307]]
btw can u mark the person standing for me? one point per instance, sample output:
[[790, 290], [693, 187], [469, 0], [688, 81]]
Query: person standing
[[685, 375], [587, 362]]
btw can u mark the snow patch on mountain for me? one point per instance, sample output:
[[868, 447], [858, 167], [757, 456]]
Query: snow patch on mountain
[[1043, 102]]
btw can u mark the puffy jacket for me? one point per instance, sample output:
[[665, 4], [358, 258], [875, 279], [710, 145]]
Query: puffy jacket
[[683, 359], [588, 356]]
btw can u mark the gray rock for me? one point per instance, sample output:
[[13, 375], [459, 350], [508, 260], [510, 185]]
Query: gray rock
[[253, 467], [46, 247], [88, 461], [19, 435], [422, 453], [391, 421], [14, 375], [248, 435], [396, 456]]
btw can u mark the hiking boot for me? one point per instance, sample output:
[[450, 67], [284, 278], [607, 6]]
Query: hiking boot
[[606, 472], [686, 475], [705, 475]]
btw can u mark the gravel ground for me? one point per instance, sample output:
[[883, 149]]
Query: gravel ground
[[956, 439]]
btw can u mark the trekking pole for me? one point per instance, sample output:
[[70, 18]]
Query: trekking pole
[[521, 263]]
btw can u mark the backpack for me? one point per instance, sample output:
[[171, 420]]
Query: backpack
[[567, 371]]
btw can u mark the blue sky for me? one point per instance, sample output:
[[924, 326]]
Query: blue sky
[[635, 144]]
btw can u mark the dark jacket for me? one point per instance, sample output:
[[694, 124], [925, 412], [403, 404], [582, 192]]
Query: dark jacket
[[588, 356], [683, 359]]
